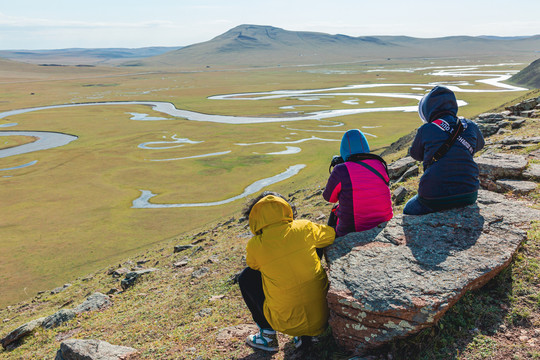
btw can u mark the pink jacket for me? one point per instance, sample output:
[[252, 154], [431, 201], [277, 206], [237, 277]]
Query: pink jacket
[[364, 198]]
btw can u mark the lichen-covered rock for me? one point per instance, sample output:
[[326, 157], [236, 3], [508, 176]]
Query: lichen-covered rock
[[75, 349], [490, 117], [494, 166], [516, 186], [180, 248], [399, 195], [132, 277], [96, 301], [532, 172], [396, 279], [58, 318], [21, 332], [398, 168], [412, 171]]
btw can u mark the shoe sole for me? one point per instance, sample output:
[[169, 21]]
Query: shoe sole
[[262, 347]]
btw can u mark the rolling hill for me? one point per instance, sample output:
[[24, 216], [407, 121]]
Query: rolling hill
[[76, 56], [256, 45], [528, 77]]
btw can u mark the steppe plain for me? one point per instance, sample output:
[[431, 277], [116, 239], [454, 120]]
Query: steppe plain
[[71, 212]]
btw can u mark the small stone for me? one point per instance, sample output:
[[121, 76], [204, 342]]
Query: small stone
[[510, 140], [532, 172], [181, 263], [75, 349], [488, 129], [491, 117], [202, 272], [180, 248], [57, 290], [399, 195], [198, 241], [399, 167], [518, 123], [119, 272], [412, 171], [320, 217], [217, 297], [205, 312], [517, 186], [523, 338], [96, 301], [196, 250], [535, 154], [132, 277]]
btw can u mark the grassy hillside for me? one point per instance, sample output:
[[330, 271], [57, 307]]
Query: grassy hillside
[[181, 310], [529, 77], [70, 213]]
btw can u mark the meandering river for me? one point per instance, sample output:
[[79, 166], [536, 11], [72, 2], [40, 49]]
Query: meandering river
[[47, 140]]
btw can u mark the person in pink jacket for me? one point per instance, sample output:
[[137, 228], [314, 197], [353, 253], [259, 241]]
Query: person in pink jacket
[[360, 185]]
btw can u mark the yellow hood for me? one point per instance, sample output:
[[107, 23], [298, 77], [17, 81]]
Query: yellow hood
[[267, 211]]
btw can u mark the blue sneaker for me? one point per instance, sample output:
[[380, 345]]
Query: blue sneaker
[[297, 341], [265, 339]]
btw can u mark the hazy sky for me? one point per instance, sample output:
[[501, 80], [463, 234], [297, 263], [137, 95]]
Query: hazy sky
[[53, 24]]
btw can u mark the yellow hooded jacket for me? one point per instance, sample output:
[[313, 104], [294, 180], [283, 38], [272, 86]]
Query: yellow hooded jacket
[[294, 282]]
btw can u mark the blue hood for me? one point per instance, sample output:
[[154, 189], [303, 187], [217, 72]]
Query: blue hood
[[438, 103], [353, 142]]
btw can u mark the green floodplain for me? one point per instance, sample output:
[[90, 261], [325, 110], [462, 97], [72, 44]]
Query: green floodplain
[[71, 212]]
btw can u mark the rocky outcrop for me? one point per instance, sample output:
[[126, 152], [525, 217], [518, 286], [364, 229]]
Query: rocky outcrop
[[504, 172], [96, 301], [74, 349], [514, 117], [401, 277], [527, 108]]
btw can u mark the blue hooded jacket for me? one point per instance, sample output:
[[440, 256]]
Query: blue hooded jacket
[[455, 173]]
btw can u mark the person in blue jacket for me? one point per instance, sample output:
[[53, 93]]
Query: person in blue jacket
[[452, 180]]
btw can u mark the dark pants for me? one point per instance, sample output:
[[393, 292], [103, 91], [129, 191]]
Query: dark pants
[[250, 282]]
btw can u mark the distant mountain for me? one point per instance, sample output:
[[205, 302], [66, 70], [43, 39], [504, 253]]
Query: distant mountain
[[528, 77], [83, 56], [256, 45], [503, 37]]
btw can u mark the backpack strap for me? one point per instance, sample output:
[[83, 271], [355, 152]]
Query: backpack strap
[[357, 158], [455, 135]]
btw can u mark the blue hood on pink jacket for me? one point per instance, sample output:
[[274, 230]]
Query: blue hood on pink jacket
[[353, 142]]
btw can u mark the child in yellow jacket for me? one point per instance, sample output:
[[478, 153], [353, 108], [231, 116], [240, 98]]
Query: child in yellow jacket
[[284, 285]]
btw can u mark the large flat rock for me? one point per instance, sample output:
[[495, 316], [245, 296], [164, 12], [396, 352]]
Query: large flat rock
[[401, 277]]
